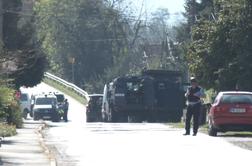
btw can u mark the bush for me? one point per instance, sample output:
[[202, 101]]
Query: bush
[[14, 115], [9, 107], [7, 130]]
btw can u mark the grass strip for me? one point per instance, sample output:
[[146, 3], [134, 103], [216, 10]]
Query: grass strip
[[181, 125], [65, 90]]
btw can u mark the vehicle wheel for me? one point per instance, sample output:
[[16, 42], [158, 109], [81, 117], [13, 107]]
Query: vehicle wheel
[[25, 113], [152, 117], [178, 116], [211, 130], [112, 117], [115, 117], [31, 114], [88, 119], [122, 117], [137, 118], [35, 117], [104, 117], [56, 117]]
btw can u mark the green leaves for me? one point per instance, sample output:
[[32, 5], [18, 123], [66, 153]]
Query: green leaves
[[88, 30], [220, 52]]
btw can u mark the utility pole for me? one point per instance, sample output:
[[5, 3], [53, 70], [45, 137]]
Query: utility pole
[[72, 62]]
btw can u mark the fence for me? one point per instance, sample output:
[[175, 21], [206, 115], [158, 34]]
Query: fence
[[68, 85]]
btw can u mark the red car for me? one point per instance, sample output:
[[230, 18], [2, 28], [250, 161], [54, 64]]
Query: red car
[[231, 111]]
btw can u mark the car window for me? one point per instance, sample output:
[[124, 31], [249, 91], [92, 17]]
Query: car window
[[95, 100], [23, 97], [240, 99], [45, 101], [60, 98]]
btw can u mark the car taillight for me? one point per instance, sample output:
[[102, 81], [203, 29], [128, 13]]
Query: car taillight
[[216, 109]]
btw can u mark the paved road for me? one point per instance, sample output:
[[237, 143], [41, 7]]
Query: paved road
[[123, 144]]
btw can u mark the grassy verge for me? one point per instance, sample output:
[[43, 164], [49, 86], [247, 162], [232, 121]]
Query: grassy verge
[[181, 125], [65, 90], [7, 130], [178, 125]]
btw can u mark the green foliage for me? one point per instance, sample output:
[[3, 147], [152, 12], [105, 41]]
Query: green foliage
[[10, 23], [220, 52], [87, 31], [21, 47], [32, 64], [9, 107]]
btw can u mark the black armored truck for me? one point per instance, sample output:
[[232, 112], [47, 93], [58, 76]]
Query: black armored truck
[[155, 95]]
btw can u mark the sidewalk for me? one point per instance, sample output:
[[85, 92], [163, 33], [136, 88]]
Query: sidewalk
[[26, 148]]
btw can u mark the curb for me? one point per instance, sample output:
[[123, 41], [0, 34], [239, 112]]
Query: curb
[[50, 155]]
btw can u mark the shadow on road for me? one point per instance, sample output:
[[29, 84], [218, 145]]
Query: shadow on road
[[7, 142]]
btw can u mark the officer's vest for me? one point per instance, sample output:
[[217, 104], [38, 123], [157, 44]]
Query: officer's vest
[[191, 97]]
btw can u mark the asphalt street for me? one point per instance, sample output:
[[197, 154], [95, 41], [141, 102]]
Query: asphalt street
[[139, 144], [95, 144]]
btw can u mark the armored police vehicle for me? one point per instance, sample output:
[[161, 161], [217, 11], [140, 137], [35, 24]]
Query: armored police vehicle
[[155, 95], [165, 99], [123, 99]]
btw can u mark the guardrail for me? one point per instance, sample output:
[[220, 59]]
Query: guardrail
[[68, 85]]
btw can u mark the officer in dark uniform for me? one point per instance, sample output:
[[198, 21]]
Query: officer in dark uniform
[[65, 109], [193, 95]]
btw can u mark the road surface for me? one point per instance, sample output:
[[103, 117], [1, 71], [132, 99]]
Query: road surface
[[134, 144]]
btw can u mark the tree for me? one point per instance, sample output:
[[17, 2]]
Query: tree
[[21, 47], [10, 23], [95, 33], [220, 53]]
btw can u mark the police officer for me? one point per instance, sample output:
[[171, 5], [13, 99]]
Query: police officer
[[65, 109], [193, 96]]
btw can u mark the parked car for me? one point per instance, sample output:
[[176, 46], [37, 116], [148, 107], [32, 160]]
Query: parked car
[[231, 111], [94, 107], [45, 107], [25, 104]]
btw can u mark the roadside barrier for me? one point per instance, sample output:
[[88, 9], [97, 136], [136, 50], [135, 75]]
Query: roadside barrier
[[68, 85]]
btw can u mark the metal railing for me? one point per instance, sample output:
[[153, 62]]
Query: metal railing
[[68, 85]]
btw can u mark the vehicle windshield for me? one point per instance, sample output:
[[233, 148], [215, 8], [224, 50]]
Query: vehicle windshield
[[45, 101], [95, 100], [236, 98]]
